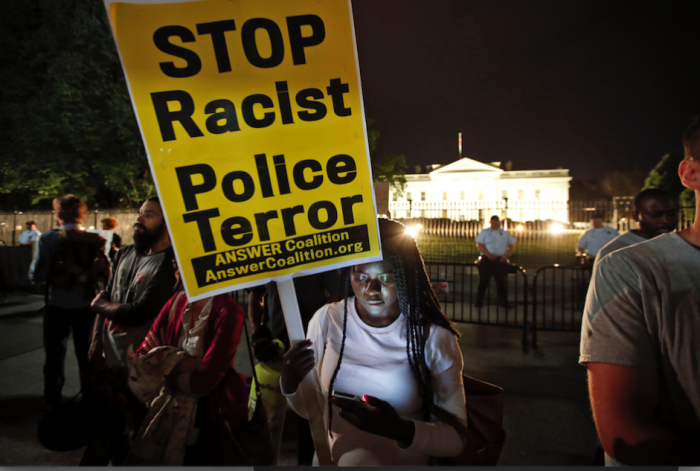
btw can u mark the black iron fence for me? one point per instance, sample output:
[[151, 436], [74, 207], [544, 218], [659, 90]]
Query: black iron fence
[[559, 297], [12, 224], [514, 210], [538, 243], [532, 250], [546, 232], [456, 287], [466, 218], [552, 300], [14, 268]]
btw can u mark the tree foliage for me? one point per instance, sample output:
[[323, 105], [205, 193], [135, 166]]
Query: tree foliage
[[390, 168], [665, 176], [372, 135], [66, 120], [622, 183], [613, 184], [386, 167]]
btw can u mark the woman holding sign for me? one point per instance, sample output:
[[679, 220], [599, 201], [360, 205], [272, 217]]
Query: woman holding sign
[[383, 357]]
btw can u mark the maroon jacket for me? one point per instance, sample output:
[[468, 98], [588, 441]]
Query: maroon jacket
[[222, 335]]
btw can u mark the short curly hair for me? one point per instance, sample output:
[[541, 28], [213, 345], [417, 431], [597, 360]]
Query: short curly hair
[[109, 223], [70, 209]]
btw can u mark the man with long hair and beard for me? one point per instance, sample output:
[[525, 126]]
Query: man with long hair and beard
[[142, 281]]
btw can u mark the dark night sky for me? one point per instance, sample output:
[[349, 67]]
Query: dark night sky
[[593, 86]]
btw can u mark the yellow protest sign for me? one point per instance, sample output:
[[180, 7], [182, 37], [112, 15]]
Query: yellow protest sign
[[253, 120]]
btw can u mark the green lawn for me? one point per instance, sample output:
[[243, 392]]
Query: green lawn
[[532, 250]]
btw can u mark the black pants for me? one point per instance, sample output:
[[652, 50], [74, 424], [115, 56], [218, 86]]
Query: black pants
[[203, 453], [58, 323], [488, 269], [114, 443], [305, 456]]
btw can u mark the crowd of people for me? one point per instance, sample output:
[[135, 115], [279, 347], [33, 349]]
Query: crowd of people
[[136, 334], [384, 354]]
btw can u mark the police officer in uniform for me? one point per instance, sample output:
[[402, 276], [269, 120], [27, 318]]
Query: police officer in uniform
[[595, 238], [495, 245]]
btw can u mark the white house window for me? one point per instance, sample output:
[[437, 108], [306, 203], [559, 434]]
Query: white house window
[[537, 194], [395, 197], [408, 196], [481, 196], [422, 195], [504, 194], [444, 196], [521, 194], [444, 213], [422, 213], [461, 195]]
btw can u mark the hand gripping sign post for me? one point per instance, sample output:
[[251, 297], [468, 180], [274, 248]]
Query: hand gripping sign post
[[253, 120]]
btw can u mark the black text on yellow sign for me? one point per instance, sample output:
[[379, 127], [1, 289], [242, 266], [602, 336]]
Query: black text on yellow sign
[[222, 114], [238, 230], [252, 116]]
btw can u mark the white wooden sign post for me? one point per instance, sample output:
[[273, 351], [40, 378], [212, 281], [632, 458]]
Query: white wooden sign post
[[310, 385]]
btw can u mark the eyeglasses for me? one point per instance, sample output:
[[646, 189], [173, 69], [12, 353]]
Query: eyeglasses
[[384, 278]]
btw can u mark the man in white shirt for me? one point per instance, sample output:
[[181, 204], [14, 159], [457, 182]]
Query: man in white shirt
[[656, 212], [30, 235], [495, 245], [595, 238]]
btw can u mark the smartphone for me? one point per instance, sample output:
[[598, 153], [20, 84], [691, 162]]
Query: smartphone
[[343, 395]]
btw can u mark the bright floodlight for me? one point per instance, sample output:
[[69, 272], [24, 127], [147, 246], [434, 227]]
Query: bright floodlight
[[556, 228], [520, 228], [411, 231], [419, 227]]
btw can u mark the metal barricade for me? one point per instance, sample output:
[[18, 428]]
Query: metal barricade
[[14, 265], [559, 296], [455, 285]]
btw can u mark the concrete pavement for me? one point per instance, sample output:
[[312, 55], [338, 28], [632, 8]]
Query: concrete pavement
[[547, 416]]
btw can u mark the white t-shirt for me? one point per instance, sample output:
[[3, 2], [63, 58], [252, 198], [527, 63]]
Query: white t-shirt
[[619, 242], [595, 239], [496, 242], [643, 310], [375, 363]]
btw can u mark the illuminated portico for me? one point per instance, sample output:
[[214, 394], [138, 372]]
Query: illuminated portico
[[464, 190]]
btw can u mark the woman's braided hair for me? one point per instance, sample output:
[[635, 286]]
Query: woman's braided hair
[[417, 301]]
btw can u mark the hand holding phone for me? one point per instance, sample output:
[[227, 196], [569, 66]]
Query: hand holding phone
[[343, 395]]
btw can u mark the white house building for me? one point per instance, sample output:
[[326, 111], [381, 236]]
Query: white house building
[[470, 190]]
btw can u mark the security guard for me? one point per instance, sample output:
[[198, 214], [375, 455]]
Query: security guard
[[595, 238], [495, 245]]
